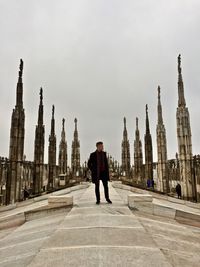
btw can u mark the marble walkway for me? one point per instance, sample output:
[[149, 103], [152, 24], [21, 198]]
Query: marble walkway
[[105, 235]]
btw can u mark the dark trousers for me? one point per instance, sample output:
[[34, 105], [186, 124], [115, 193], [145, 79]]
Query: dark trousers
[[97, 192]]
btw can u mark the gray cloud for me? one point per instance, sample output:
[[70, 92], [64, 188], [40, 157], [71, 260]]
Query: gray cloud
[[99, 61]]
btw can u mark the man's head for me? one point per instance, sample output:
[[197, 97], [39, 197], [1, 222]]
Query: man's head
[[99, 146]]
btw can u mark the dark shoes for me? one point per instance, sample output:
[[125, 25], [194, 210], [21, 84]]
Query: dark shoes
[[109, 201]]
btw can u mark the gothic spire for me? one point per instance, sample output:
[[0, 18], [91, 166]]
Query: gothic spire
[[53, 121], [75, 121], [125, 151], [40, 111], [124, 123], [41, 96], [39, 149], [19, 101], [160, 118], [125, 130], [75, 153], [147, 120], [63, 131], [181, 97], [137, 133], [76, 130], [138, 157]]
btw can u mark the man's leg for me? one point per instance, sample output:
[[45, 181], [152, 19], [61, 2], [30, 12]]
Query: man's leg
[[105, 185], [97, 191]]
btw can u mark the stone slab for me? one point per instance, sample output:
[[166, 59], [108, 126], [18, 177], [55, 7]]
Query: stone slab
[[181, 259], [100, 237], [164, 211], [18, 261], [100, 257], [188, 218], [140, 198], [12, 221], [101, 209], [46, 211], [99, 220], [60, 200], [141, 202]]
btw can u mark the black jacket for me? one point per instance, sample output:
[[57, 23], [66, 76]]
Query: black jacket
[[92, 165]]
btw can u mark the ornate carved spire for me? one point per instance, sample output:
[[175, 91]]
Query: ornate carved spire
[[162, 183], [41, 96], [125, 151], [184, 137], [136, 123], [53, 121], [160, 118], [52, 153], [75, 156], [147, 120], [16, 152], [181, 97], [39, 149], [138, 157], [63, 151], [137, 132], [124, 122], [125, 134], [75, 121], [63, 124], [40, 111], [148, 149], [63, 130], [19, 101], [21, 69]]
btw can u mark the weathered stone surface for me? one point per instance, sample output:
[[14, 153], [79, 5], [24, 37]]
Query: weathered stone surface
[[101, 235], [60, 200], [141, 202], [101, 256], [140, 198], [164, 211], [12, 221]]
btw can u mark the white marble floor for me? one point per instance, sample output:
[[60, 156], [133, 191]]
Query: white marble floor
[[101, 235]]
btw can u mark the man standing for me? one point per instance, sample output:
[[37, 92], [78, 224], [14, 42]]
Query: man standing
[[98, 164]]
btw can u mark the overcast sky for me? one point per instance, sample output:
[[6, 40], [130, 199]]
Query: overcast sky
[[99, 60]]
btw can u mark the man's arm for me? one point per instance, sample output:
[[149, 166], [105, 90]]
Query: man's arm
[[106, 160]]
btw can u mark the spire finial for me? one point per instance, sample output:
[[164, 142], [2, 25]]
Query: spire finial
[[63, 123], [146, 109], [124, 121], [21, 68], [147, 120], [159, 107], [137, 123], [179, 64], [75, 121], [181, 98], [53, 111], [41, 94], [158, 91]]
